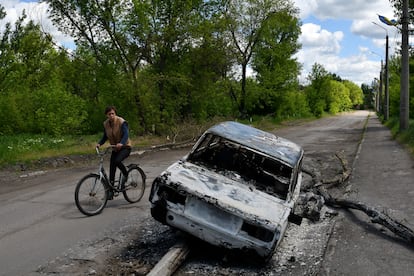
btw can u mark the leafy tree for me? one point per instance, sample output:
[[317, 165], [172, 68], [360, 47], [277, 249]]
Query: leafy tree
[[249, 21], [117, 38], [337, 96], [316, 95], [369, 92], [355, 93], [394, 88], [397, 4], [328, 93], [148, 45], [276, 69], [2, 12], [31, 68]]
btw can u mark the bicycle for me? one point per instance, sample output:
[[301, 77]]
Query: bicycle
[[93, 190]]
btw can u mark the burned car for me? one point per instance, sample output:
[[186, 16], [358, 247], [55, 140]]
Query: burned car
[[236, 188]]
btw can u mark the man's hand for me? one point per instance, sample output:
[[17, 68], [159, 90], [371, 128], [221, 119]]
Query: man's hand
[[118, 146]]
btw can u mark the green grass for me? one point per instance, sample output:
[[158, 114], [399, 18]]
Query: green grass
[[26, 148], [405, 137]]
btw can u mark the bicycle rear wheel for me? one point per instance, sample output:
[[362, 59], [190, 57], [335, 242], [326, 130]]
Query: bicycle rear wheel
[[91, 195], [135, 186]]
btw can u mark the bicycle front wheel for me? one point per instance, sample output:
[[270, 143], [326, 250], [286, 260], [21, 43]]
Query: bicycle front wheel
[[135, 186], [91, 195]]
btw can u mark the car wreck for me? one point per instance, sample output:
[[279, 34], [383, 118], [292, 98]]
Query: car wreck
[[236, 189]]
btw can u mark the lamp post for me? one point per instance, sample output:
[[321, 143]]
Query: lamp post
[[386, 79]]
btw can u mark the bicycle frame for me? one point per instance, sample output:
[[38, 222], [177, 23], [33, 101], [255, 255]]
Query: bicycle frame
[[102, 173]]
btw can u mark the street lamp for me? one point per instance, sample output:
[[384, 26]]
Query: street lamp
[[387, 97], [405, 68]]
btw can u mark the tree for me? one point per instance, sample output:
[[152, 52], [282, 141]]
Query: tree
[[276, 69], [369, 92], [35, 98], [145, 47], [116, 32], [316, 95], [247, 21], [355, 93], [337, 96]]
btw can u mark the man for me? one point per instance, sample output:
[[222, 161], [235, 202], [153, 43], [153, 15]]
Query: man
[[116, 131]]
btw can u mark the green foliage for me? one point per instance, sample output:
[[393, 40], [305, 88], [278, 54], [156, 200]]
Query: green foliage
[[337, 97], [159, 63], [253, 26], [34, 95], [356, 94], [328, 93], [369, 95], [405, 137], [57, 112], [394, 87], [316, 99], [289, 104]]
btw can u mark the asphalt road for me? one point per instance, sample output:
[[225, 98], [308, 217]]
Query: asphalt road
[[39, 219], [383, 178], [40, 225]]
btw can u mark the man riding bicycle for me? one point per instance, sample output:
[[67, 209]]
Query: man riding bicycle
[[116, 131]]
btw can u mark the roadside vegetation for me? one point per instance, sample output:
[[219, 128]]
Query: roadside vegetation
[[406, 137], [27, 149], [165, 65]]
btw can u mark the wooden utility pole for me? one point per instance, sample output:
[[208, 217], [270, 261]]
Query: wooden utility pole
[[385, 108], [380, 98], [387, 84], [405, 70]]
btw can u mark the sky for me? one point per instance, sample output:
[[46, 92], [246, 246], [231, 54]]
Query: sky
[[339, 35]]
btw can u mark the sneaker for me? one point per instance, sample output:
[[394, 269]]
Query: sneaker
[[110, 195], [124, 180]]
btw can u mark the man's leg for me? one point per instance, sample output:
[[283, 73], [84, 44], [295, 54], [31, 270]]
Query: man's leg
[[120, 156], [112, 166]]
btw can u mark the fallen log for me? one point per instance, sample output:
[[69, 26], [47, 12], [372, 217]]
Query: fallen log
[[171, 261]]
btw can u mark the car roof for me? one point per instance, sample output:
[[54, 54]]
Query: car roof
[[265, 142]]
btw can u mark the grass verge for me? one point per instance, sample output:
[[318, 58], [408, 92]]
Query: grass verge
[[405, 137], [26, 148]]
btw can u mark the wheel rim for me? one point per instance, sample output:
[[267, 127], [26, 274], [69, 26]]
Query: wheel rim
[[91, 196], [135, 186]]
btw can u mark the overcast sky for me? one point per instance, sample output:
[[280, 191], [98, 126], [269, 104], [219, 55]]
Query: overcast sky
[[337, 34]]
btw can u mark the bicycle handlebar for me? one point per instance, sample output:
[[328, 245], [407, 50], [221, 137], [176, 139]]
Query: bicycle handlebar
[[102, 152]]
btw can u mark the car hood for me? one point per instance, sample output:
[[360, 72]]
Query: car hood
[[237, 197]]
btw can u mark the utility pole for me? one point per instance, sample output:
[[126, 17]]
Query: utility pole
[[380, 99], [387, 83], [386, 103], [405, 70], [377, 95]]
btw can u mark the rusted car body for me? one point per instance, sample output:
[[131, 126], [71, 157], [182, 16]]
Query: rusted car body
[[236, 188]]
